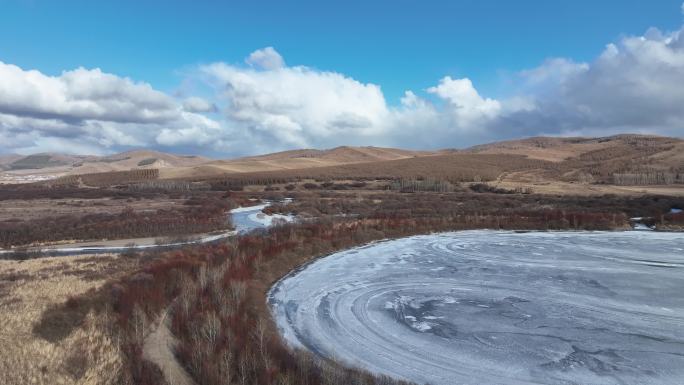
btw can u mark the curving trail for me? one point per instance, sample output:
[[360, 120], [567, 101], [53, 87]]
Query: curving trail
[[158, 348], [489, 307]]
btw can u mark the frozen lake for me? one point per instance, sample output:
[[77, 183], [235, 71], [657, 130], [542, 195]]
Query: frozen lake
[[490, 307]]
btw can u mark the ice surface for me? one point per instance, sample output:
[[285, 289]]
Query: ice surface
[[249, 209], [249, 218], [594, 308], [641, 226], [269, 220]]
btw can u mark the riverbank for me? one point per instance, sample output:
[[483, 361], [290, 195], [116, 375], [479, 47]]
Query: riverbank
[[244, 219]]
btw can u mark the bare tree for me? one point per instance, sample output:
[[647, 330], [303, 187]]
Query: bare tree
[[226, 367], [260, 335], [140, 323], [210, 329], [237, 290]]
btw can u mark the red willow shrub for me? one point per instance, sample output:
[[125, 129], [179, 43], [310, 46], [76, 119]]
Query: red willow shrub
[[208, 215], [214, 296], [388, 204]]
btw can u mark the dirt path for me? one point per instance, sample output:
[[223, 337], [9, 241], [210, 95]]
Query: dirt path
[[121, 245], [158, 348]]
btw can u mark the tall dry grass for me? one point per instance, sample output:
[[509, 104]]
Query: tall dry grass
[[35, 353]]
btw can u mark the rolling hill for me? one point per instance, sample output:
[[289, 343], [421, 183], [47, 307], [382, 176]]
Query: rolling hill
[[559, 149], [552, 165], [622, 160], [54, 164], [294, 160]]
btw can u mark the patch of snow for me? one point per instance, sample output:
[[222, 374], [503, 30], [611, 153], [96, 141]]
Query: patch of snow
[[249, 208], [421, 326], [642, 227], [269, 220]]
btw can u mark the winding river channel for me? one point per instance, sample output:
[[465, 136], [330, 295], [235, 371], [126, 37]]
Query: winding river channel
[[245, 219], [493, 307]]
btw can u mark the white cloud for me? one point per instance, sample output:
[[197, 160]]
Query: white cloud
[[89, 109], [464, 100], [266, 59], [196, 130], [61, 145], [555, 71], [634, 85], [290, 107], [197, 104], [298, 106], [81, 94]]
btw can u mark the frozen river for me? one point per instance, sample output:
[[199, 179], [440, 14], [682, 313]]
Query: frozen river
[[490, 307], [246, 219]]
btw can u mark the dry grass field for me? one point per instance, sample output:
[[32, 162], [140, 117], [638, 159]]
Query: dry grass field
[[551, 149], [42, 215], [293, 160], [57, 165], [42, 208], [536, 182], [71, 351], [621, 160]]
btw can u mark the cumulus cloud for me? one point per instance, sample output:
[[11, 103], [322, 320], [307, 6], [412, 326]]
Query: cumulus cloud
[[81, 95], [298, 106], [464, 101], [552, 73], [89, 109], [290, 107], [633, 85], [196, 130], [267, 58], [197, 104]]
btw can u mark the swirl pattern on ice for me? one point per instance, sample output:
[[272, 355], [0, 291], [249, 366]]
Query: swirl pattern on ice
[[489, 307]]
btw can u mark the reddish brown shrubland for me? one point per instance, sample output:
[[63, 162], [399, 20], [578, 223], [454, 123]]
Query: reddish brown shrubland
[[199, 214], [216, 294]]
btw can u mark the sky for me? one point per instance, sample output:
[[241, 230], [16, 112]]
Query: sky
[[227, 79]]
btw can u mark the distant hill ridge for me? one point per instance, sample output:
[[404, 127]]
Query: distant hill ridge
[[620, 159], [88, 164]]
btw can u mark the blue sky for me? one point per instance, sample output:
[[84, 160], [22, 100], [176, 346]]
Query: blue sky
[[395, 45]]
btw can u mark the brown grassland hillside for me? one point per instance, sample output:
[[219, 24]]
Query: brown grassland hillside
[[621, 164], [550, 165], [295, 159]]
